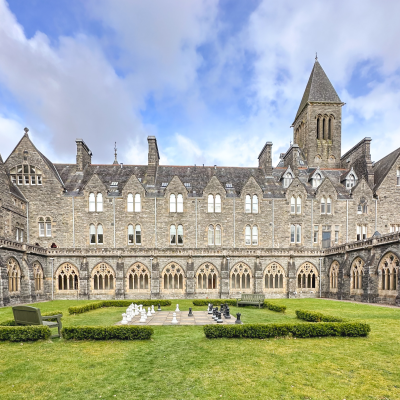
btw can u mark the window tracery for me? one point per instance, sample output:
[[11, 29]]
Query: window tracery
[[38, 276], [307, 276], [26, 175], [173, 278], [241, 277], [274, 276], [103, 277], [206, 277], [138, 278], [388, 272], [356, 274], [333, 276], [67, 277], [14, 275]]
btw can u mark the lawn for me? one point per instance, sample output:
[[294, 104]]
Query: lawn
[[180, 363]]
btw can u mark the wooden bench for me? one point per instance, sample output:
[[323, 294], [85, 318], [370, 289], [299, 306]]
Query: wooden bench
[[26, 315], [250, 299]]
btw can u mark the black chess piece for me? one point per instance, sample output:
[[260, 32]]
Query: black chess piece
[[190, 312], [238, 321], [227, 314], [159, 307], [219, 319]]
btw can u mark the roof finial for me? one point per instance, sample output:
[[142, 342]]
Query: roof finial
[[316, 56], [115, 154], [26, 130]]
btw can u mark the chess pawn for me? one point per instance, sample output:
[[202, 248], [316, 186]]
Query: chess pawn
[[140, 307], [142, 317], [190, 312], [152, 309], [219, 319], [177, 308], [149, 312], [124, 319], [174, 320], [128, 316], [159, 307], [136, 311], [210, 308], [227, 313]]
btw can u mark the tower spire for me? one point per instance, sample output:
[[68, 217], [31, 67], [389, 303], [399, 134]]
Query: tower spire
[[115, 154]]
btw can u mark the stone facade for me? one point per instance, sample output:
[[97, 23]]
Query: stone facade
[[305, 228]]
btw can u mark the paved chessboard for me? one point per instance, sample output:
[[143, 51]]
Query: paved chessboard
[[165, 318]]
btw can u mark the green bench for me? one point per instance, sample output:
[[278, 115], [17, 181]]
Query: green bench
[[25, 315], [250, 299]]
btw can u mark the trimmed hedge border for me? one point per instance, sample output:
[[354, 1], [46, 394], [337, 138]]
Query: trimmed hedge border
[[312, 316], [264, 331], [124, 332], [24, 333], [116, 303], [232, 302], [11, 322]]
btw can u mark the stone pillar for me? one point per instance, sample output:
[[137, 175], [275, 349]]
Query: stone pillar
[[119, 280], [155, 279], [258, 277], [369, 284], [84, 280], [190, 283], [292, 279], [224, 281], [397, 297], [4, 296]]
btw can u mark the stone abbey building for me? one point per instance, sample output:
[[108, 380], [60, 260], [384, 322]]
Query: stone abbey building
[[318, 224]]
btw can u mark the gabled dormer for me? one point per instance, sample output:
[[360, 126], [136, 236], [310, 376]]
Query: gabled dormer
[[316, 178], [287, 177], [349, 179]]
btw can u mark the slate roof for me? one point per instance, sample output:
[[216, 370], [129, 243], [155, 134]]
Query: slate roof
[[382, 167], [319, 89]]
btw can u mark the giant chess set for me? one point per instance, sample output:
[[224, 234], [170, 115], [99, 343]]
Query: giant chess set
[[138, 315]]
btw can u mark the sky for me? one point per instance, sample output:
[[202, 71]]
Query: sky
[[212, 80]]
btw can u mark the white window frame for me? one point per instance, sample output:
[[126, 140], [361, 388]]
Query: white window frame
[[218, 203], [328, 205], [218, 235], [247, 233], [138, 203], [179, 203], [92, 234], [210, 203], [292, 205], [254, 235], [131, 235], [129, 202], [92, 202], [298, 205], [323, 205], [99, 202], [316, 234], [211, 235], [247, 207], [292, 233], [100, 234], [172, 202], [298, 233], [179, 235], [254, 207], [138, 235]]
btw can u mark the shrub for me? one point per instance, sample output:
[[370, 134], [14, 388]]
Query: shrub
[[274, 307], [116, 303], [120, 332], [312, 316], [215, 302], [259, 331], [24, 333]]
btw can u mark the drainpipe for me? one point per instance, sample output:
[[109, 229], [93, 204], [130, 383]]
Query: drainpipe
[[234, 229], [151, 271], [196, 222], [273, 223], [27, 222], [320, 276], [229, 286], [73, 222], [114, 219], [376, 215], [155, 222], [312, 222], [52, 278], [347, 221]]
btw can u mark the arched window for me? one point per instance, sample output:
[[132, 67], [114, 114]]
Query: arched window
[[241, 277], [130, 234], [138, 205], [323, 129], [217, 203], [172, 278], [210, 235], [99, 202], [26, 175], [388, 272], [103, 277], [317, 180], [330, 129], [138, 278], [130, 202], [254, 238], [172, 234], [67, 277], [206, 278], [38, 276], [138, 234], [180, 234], [356, 274], [180, 203], [333, 276], [351, 181], [99, 234], [318, 135], [255, 204], [248, 204], [298, 205], [292, 205], [92, 202], [210, 203], [172, 203], [328, 205], [287, 180], [248, 235], [307, 276], [14, 275], [48, 226], [274, 277], [41, 227], [323, 210], [218, 236], [92, 230]]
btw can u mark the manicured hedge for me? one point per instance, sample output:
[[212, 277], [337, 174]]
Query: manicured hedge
[[259, 331], [274, 307], [120, 332], [312, 316], [24, 333], [11, 322], [116, 303], [214, 302]]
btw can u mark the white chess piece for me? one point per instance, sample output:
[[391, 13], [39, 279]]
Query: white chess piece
[[177, 308], [143, 317], [137, 310], [124, 319], [149, 312], [152, 309], [140, 307], [129, 316], [174, 320]]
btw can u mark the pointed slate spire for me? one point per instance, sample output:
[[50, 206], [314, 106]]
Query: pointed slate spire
[[318, 89]]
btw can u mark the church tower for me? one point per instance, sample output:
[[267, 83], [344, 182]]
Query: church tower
[[317, 126]]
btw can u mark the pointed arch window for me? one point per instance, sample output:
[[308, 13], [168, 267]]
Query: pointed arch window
[[287, 180], [333, 276], [210, 203], [38, 276], [172, 234], [210, 235], [130, 202], [138, 278], [138, 204], [172, 203], [330, 129], [172, 278], [351, 181], [138, 234], [218, 235], [92, 202], [298, 205], [254, 236], [180, 234], [67, 277], [356, 274], [99, 202], [103, 277], [248, 235], [241, 277], [206, 277], [255, 204], [274, 276], [14, 275], [323, 129], [317, 180], [99, 234], [318, 134], [92, 230], [130, 234], [307, 277], [217, 203], [323, 203], [388, 270], [328, 205], [292, 205], [248, 204], [180, 203]]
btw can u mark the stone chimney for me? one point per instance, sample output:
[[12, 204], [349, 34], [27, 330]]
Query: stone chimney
[[292, 158], [265, 159], [83, 155], [153, 160]]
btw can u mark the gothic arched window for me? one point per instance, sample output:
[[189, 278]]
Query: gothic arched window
[[333, 276], [67, 277], [38, 276], [130, 202], [241, 277], [356, 274], [206, 278], [172, 278], [138, 204], [274, 276], [103, 277], [138, 278], [388, 271], [307, 276], [14, 275]]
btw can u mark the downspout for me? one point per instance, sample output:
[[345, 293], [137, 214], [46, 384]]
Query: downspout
[[114, 219], [52, 278], [347, 221], [234, 229], [320, 276], [229, 286], [273, 223], [196, 221], [27, 222], [155, 222], [376, 215], [312, 222], [73, 222]]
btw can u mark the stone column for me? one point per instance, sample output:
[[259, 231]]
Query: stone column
[[4, 296], [369, 284], [119, 280], [84, 280], [224, 280], [190, 284], [291, 279], [258, 277], [155, 279]]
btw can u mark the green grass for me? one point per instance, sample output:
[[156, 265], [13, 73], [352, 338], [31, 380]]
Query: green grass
[[180, 363]]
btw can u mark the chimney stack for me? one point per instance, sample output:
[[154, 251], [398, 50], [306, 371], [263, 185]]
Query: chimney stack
[[83, 155], [153, 160], [265, 159]]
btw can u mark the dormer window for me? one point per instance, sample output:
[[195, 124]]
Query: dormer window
[[287, 179], [317, 180], [350, 181]]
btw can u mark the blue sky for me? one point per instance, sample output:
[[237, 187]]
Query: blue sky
[[212, 80]]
